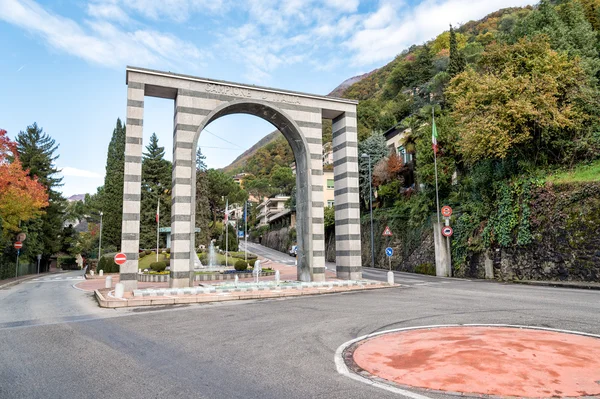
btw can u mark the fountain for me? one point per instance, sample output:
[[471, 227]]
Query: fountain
[[212, 256]]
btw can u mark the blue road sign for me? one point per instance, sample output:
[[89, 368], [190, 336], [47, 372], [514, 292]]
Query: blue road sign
[[241, 234], [389, 251]]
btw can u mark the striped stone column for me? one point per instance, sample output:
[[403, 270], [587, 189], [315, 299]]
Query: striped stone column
[[130, 233], [347, 201], [187, 121], [313, 132]]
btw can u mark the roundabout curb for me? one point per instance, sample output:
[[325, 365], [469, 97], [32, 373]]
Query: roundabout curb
[[346, 350]]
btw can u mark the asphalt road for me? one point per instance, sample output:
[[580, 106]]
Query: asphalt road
[[54, 342]]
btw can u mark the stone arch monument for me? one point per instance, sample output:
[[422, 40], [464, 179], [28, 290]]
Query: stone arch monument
[[298, 116]]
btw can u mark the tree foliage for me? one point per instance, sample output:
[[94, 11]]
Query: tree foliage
[[22, 197], [523, 94], [112, 194]]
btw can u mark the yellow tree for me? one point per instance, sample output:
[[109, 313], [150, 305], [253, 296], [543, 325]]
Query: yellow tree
[[520, 99]]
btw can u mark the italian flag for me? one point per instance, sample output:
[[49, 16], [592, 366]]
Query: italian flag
[[157, 210], [434, 135]]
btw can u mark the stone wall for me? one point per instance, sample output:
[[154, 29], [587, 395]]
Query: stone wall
[[277, 239], [565, 223]]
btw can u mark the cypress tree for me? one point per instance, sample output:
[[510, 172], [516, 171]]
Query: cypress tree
[[36, 151], [457, 62], [156, 186], [112, 196], [202, 205]]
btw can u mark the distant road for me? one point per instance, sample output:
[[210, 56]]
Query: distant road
[[368, 272]]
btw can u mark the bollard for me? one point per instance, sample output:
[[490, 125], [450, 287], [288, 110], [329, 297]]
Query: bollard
[[119, 290], [108, 282], [277, 277], [92, 273], [390, 276], [101, 273]]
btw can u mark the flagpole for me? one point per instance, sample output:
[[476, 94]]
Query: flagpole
[[157, 224], [246, 231], [226, 230], [437, 195]]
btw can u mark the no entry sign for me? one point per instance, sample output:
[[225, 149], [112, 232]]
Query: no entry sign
[[18, 245], [446, 211], [120, 258], [447, 231]]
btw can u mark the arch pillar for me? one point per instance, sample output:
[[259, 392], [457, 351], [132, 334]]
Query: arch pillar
[[132, 180], [347, 200]]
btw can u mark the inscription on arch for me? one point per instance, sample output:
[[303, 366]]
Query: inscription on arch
[[247, 93]]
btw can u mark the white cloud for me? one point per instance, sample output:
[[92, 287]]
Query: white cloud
[[103, 43], [75, 172], [176, 10], [343, 5], [110, 11], [385, 33]]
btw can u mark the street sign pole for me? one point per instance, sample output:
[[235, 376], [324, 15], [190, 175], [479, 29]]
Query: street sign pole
[[39, 258], [17, 267]]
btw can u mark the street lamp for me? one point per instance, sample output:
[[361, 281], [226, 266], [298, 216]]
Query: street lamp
[[100, 242], [365, 155]]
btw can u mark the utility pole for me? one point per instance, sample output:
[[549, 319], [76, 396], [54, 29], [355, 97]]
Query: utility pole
[[246, 231], [100, 242]]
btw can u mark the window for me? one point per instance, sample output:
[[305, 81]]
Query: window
[[330, 203], [330, 184]]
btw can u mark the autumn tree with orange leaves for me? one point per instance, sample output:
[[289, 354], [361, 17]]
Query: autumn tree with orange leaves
[[21, 197]]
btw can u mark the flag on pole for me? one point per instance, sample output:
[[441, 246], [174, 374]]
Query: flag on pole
[[434, 136], [157, 210]]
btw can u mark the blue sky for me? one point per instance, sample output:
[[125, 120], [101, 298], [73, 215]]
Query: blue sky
[[64, 61]]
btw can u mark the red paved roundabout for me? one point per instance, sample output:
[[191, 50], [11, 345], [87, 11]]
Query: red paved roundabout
[[501, 361]]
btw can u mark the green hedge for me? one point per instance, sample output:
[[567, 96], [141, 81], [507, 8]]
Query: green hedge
[[107, 263], [158, 266], [240, 266]]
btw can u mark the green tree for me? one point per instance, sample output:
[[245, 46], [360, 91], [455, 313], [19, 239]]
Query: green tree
[[222, 187], [112, 195], [283, 179], [376, 147], [457, 60], [37, 152], [156, 187], [200, 160]]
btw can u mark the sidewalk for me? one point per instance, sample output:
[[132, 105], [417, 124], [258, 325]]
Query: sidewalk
[[587, 285]]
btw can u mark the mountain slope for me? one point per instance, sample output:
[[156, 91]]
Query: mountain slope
[[239, 163]]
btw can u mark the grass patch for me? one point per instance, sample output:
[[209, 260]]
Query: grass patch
[[580, 174], [144, 263]]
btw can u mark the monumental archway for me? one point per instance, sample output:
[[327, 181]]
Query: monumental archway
[[297, 116]]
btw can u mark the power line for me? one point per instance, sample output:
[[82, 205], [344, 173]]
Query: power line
[[221, 138], [218, 148]]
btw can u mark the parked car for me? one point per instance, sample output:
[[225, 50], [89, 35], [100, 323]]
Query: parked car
[[293, 250]]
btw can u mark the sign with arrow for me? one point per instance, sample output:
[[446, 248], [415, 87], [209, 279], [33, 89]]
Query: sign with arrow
[[389, 251]]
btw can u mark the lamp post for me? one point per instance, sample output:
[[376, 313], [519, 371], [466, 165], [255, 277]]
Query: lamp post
[[100, 242], [365, 155]]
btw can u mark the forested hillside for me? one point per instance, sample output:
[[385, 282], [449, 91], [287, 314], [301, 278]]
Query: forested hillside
[[516, 101]]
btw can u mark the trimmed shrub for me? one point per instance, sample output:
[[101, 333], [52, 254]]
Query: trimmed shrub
[[168, 262], [108, 265], [240, 266], [141, 254], [168, 250], [251, 262], [158, 266], [148, 251]]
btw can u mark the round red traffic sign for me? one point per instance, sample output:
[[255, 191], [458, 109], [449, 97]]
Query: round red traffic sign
[[447, 231], [18, 245], [446, 211], [120, 258]]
